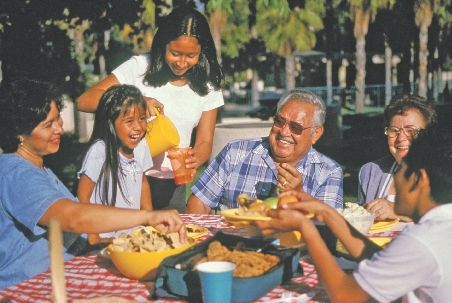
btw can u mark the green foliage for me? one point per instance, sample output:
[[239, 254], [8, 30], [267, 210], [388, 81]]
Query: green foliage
[[282, 5], [236, 32], [294, 31], [445, 16], [447, 65], [374, 5], [148, 16], [217, 5]]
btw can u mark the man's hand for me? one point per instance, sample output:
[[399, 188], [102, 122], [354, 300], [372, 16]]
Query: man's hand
[[289, 178]]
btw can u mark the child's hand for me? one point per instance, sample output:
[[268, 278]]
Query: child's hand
[[168, 220]]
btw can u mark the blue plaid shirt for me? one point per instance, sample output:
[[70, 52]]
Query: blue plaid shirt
[[245, 166]]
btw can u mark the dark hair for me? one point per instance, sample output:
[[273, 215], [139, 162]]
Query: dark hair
[[24, 103], [116, 100], [185, 22], [432, 151], [399, 105]]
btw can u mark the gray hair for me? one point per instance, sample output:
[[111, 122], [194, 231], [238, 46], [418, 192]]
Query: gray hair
[[305, 96]]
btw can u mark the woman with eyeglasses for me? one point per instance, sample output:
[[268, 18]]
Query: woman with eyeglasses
[[404, 118]]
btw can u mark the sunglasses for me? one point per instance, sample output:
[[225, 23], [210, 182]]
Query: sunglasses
[[295, 127]]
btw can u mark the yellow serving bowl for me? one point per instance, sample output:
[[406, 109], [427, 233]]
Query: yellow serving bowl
[[143, 265]]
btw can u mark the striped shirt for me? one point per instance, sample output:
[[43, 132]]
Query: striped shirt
[[245, 166]]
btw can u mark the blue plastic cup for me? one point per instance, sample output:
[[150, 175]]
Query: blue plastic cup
[[216, 281]]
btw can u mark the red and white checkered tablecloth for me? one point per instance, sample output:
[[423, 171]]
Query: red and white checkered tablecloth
[[90, 277], [95, 276]]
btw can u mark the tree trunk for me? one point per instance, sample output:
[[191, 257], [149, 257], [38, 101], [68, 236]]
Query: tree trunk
[[360, 80], [329, 81], [82, 119], [388, 73], [217, 21], [423, 19], [290, 72], [253, 34], [423, 59], [362, 19]]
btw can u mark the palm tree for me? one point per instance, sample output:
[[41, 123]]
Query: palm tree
[[424, 12], [362, 12], [288, 31]]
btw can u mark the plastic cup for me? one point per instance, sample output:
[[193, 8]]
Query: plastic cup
[[216, 281], [177, 157]]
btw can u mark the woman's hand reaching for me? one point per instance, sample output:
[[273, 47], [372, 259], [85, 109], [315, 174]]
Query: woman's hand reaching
[[192, 162], [151, 105], [383, 209]]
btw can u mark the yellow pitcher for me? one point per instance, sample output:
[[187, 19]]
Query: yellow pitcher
[[161, 134]]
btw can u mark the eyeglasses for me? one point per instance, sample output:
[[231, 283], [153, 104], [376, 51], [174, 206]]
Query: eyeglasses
[[409, 131], [295, 127]]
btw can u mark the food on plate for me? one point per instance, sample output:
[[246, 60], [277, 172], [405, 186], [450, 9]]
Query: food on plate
[[248, 263], [357, 216], [272, 202], [287, 199], [251, 207], [245, 201], [144, 240], [353, 210], [191, 229]]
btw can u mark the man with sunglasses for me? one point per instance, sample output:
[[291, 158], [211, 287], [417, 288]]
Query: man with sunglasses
[[284, 160]]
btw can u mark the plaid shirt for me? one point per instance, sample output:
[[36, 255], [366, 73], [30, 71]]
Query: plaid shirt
[[245, 166]]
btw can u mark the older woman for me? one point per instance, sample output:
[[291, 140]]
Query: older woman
[[404, 117], [30, 194]]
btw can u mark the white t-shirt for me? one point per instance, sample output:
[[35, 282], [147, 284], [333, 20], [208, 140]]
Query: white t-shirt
[[130, 175], [416, 265], [183, 106]]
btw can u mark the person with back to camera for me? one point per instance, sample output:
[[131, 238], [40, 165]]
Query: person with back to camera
[[113, 169], [182, 78], [404, 117], [31, 194], [416, 265]]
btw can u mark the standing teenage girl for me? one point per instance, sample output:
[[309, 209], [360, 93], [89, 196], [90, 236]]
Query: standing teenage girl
[[182, 75], [113, 169]]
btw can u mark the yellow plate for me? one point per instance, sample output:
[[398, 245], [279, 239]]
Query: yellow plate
[[380, 241], [341, 248], [382, 225], [232, 216], [198, 231]]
